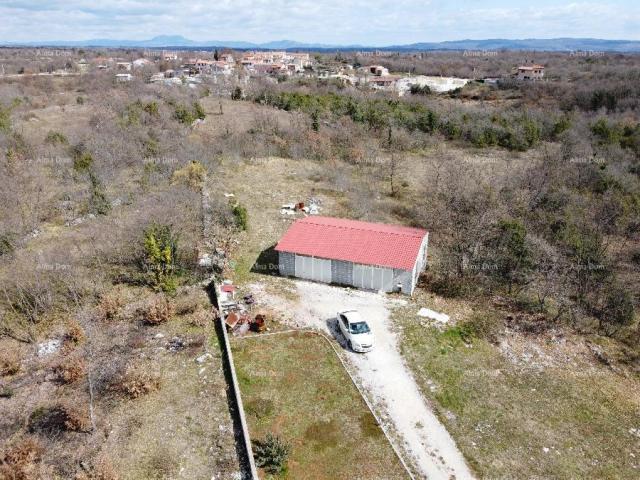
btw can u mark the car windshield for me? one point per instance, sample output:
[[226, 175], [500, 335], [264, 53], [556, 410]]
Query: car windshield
[[359, 327]]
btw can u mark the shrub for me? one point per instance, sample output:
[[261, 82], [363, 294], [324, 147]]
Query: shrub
[[99, 202], [137, 382], [110, 305], [6, 392], [183, 115], [6, 244], [82, 161], [152, 108], [315, 120], [618, 310], [271, 454], [158, 310], [201, 317], [80, 100], [260, 408], [193, 175], [5, 119], [188, 303], [420, 90], [236, 94], [199, 110], [57, 419], [56, 137], [484, 326], [447, 286], [240, 215], [511, 252], [160, 255], [20, 460], [74, 333], [151, 148], [71, 369], [9, 363], [103, 469], [76, 418]]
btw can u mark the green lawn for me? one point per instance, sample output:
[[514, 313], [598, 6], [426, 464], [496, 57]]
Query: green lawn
[[293, 385]]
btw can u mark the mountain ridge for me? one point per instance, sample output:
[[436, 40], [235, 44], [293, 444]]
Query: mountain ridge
[[179, 41]]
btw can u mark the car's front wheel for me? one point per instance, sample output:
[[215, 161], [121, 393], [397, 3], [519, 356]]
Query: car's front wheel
[[349, 345]]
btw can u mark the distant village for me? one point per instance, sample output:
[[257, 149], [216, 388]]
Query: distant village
[[171, 67]]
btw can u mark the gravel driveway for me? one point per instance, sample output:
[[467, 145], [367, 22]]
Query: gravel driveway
[[383, 374]]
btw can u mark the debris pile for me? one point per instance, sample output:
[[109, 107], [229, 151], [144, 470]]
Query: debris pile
[[313, 208], [237, 314]]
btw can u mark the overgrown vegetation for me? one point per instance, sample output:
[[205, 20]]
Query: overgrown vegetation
[[188, 115], [510, 129]]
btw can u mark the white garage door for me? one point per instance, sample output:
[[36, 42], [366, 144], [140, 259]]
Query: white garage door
[[372, 278], [312, 268]]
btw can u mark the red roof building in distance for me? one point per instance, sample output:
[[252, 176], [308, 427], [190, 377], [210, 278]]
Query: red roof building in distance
[[354, 241]]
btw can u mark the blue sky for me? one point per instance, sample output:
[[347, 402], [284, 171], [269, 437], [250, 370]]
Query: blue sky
[[371, 22]]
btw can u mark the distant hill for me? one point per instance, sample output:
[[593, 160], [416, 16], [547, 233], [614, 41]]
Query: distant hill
[[168, 41], [552, 44]]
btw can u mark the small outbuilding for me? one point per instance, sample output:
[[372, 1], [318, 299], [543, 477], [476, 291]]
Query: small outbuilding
[[371, 256]]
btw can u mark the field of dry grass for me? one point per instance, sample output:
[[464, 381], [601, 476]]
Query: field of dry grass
[[179, 424], [293, 385], [159, 395], [530, 406]]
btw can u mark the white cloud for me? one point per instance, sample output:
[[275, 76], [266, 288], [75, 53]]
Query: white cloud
[[372, 22]]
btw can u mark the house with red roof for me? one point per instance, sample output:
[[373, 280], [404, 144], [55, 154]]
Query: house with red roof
[[371, 256]]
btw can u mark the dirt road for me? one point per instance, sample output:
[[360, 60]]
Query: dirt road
[[384, 375]]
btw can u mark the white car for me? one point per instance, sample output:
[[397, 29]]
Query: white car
[[355, 330]]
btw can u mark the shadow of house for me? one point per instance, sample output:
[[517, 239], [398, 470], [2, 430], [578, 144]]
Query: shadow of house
[[267, 262]]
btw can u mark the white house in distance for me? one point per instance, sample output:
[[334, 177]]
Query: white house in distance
[[371, 256], [530, 72], [123, 77], [141, 62], [169, 55]]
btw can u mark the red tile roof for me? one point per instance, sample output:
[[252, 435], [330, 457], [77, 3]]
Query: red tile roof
[[354, 241]]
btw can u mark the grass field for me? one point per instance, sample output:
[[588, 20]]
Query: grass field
[[549, 414], [295, 386]]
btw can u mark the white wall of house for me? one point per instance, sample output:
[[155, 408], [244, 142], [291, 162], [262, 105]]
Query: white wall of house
[[421, 262]]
